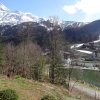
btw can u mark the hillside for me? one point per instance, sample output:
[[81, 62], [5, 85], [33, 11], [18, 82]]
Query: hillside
[[86, 33], [15, 23], [17, 33], [33, 90]]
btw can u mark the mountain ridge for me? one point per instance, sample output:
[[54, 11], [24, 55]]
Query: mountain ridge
[[14, 22], [9, 17]]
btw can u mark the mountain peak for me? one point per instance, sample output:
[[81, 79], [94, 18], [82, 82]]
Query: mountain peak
[[3, 7]]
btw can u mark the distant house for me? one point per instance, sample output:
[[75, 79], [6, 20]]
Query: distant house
[[66, 55], [96, 55], [68, 61]]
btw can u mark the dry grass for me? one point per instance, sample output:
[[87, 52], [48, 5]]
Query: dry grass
[[33, 90]]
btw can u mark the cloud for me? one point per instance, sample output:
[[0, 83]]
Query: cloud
[[88, 7], [70, 9]]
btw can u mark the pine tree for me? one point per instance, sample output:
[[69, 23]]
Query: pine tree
[[56, 74]]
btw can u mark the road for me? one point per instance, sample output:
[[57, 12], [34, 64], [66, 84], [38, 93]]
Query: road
[[79, 67], [85, 90]]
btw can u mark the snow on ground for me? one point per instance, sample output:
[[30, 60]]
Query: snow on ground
[[96, 41], [85, 51], [79, 45], [76, 45]]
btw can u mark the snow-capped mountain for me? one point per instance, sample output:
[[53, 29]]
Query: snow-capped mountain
[[9, 17], [72, 24]]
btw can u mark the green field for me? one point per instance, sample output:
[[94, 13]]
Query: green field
[[88, 76]]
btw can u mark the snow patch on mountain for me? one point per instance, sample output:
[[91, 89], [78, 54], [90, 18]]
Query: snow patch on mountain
[[3, 8]]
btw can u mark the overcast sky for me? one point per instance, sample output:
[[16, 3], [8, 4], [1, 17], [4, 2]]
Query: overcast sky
[[70, 10]]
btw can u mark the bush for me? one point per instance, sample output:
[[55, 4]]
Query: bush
[[18, 77], [48, 97], [8, 94], [78, 97]]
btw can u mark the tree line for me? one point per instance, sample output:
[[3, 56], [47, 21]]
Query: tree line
[[27, 58]]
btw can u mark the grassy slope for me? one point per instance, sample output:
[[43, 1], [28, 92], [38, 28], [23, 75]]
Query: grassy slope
[[32, 90]]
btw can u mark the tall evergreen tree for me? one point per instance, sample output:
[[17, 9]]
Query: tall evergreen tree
[[56, 65]]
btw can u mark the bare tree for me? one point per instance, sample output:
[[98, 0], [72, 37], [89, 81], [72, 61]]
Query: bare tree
[[30, 57], [9, 59], [26, 60]]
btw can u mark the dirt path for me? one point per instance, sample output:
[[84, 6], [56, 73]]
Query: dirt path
[[85, 91]]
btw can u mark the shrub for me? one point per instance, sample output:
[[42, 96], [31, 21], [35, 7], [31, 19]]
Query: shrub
[[8, 94], [48, 97], [18, 77], [78, 97]]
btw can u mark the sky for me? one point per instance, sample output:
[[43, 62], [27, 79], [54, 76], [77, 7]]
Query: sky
[[69, 10]]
